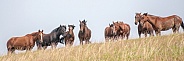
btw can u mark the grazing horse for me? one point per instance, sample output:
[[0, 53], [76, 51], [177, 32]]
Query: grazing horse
[[84, 33], [52, 38], [145, 29], [163, 23], [26, 42], [109, 32], [121, 30], [69, 38]]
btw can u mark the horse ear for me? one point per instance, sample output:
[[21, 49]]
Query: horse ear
[[42, 30]]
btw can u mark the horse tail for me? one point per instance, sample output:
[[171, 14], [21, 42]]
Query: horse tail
[[182, 25]]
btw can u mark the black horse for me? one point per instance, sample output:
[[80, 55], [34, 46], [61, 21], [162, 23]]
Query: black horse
[[53, 38]]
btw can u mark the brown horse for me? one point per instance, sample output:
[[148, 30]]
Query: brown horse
[[26, 42], [69, 38], [109, 32], [84, 33], [145, 29], [121, 30], [163, 23]]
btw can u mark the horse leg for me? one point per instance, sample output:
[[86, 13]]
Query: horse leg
[[10, 51], [151, 33], [177, 29], [53, 45], [145, 33], [139, 32], [157, 33], [174, 30], [81, 41], [127, 36]]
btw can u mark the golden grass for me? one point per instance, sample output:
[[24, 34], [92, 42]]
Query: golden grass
[[160, 48]]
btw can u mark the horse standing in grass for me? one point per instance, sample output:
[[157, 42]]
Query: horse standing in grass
[[26, 42], [52, 38], [69, 38], [121, 30], [145, 28], [163, 23], [84, 33], [108, 33]]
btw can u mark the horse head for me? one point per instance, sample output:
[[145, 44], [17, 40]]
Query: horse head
[[137, 17], [40, 34], [144, 18], [82, 25], [61, 30], [71, 27], [116, 28]]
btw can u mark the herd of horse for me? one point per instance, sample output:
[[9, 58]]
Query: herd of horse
[[147, 24]]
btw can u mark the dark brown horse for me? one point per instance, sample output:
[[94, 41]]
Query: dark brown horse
[[26, 42], [84, 33], [121, 30], [69, 38], [163, 23], [145, 28], [108, 33]]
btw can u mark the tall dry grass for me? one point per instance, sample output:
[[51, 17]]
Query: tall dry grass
[[160, 48]]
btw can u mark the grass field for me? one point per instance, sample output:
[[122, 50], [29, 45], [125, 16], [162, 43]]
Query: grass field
[[160, 48]]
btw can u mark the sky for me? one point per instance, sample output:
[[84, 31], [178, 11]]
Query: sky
[[21, 17]]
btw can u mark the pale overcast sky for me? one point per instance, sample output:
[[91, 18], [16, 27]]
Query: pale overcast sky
[[20, 17]]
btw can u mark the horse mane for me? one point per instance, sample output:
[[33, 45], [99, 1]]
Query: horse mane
[[55, 30], [31, 34]]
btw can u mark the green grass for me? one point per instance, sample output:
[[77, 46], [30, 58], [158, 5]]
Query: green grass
[[160, 48]]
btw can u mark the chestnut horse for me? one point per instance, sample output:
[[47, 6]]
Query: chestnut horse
[[84, 33], [121, 30], [145, 28], [69, 38], [26, 42], [52, 38], [108, 33], [163, 23]]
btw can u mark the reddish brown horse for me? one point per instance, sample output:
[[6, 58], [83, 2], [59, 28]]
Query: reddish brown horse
[[163, 23], [84, 33], [121, 30], [108, 33], [26, 42], [69, 38], [145, 28]]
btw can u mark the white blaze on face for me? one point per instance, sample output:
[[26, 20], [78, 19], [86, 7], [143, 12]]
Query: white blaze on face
[[71, 28], [41, 37]]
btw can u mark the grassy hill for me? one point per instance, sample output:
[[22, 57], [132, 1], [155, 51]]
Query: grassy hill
[[165, 48]]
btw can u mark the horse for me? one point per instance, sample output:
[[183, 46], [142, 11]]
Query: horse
[[163, 23], [121, 30], [84, 33], [145, 29], [108, 33], [52, 38], [69, 38], [26, 42]]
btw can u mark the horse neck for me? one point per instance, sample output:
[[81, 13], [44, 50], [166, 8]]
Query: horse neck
[[152, 21]]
